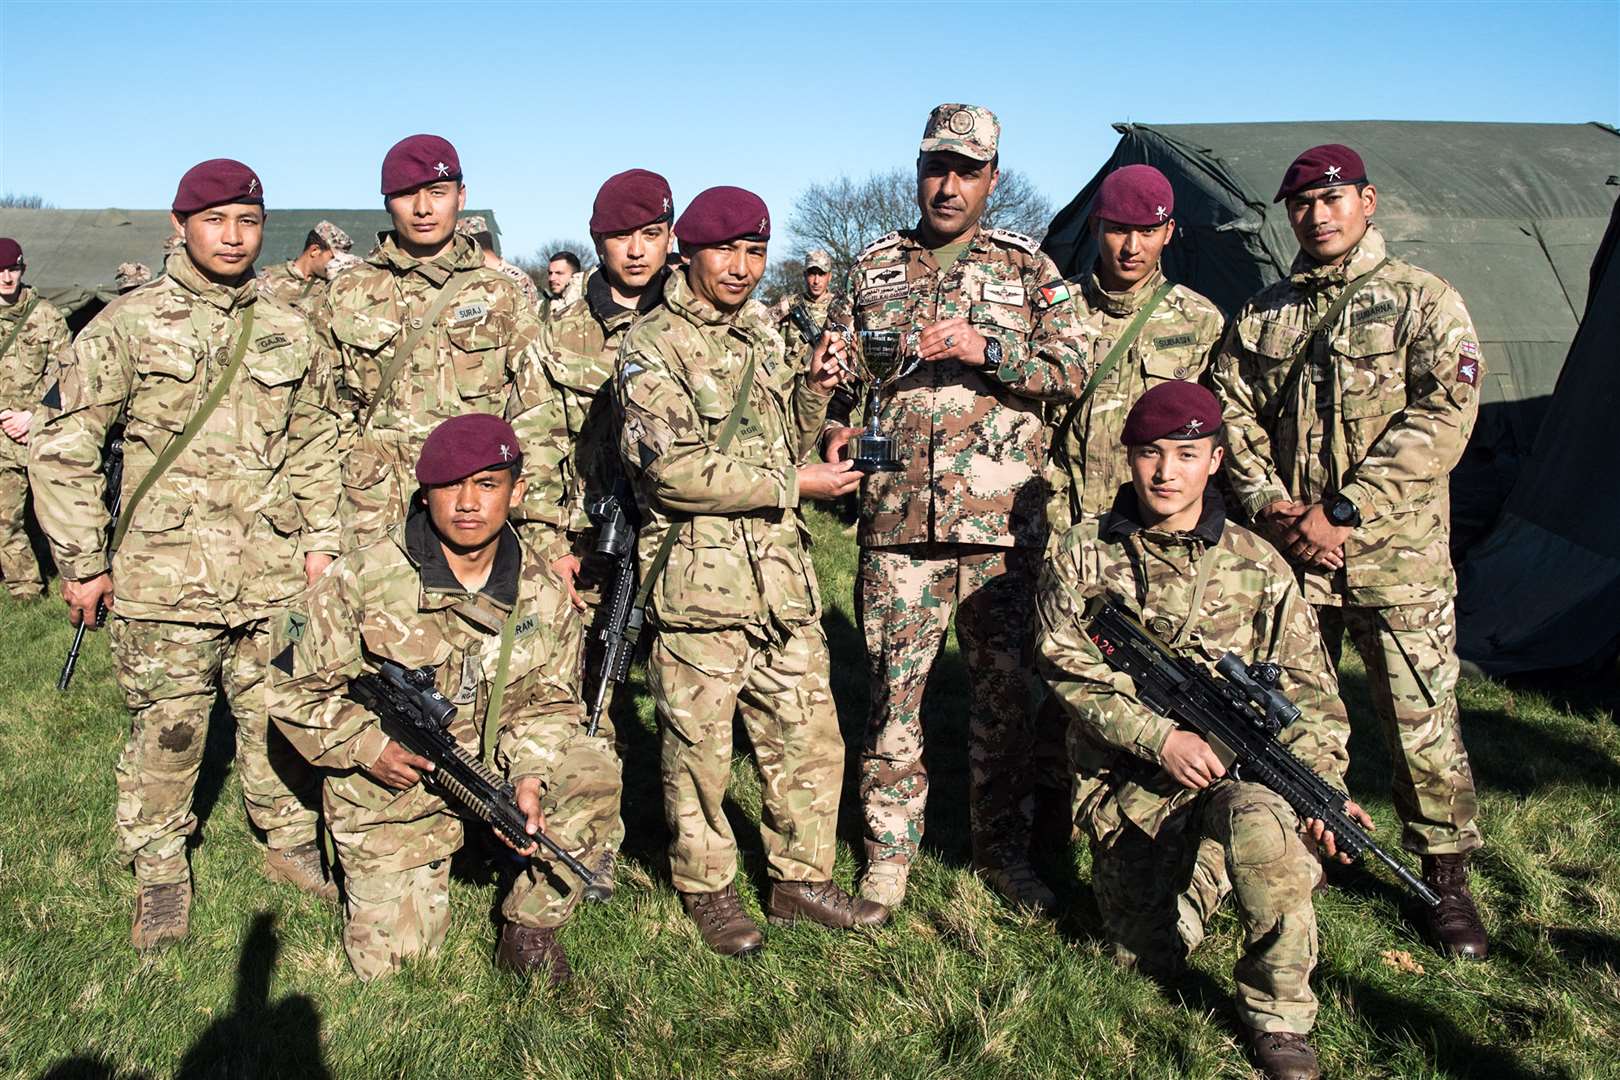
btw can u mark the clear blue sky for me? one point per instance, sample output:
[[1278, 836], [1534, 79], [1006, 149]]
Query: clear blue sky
[[106, 104]]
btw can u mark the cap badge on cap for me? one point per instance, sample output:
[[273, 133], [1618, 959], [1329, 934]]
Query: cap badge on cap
[[762, 224], [441, 168], [667, 206], [1194, 424], [961, 122], [1162, 212], [1332, 172], [253, 185], [506, 452]]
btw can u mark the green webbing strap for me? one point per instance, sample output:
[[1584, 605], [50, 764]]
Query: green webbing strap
[[497, 693], [396, 362], [1330, 317], [200, 417], [667, 545], [22, 321]]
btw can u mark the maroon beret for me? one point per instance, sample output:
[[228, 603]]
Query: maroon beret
[[1328, 165], [629, 200], [214, 183], [10, 253], [1172, 410], [723, 214], [1135, 195], [464, 445], [416, 160]]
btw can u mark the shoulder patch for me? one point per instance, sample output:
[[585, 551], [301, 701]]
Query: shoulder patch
[[53, 396], [1053, 292], [1015, 239], [887, 240]]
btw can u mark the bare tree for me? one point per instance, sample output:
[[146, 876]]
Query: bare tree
[[537, 264], [8, 201]]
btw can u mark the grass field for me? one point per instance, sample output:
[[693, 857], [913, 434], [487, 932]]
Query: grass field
[[956, 986]]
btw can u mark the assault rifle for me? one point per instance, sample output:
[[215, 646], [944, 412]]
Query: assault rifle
[[618, 620], [1239, 715], [415, 714], [112, 496], [844, 398]]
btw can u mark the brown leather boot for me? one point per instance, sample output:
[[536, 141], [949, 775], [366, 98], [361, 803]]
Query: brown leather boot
[[533, 950], [825, 903], [724, 926], [600, 890], [301, 866], [162, 915], [1284, 1055], [1455, 923]]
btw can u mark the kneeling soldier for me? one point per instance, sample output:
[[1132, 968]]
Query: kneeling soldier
[[456, 590], [1205, 586]]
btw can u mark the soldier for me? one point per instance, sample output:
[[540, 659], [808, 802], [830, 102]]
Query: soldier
[[961, 527], [1161, 801], [301, 282], [717, 436], [444, 590], [1351, 386], [817, 300], [229, 509], [563, 284], [34, 339], [131, 276], [424, 332], [478, 228]]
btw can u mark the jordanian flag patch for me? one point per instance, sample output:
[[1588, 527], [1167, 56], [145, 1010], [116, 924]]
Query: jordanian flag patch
[[1054, 293]]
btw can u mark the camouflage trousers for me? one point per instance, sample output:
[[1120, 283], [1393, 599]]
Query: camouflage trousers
[[907, 596], [18, 567], [1411, 657], [1157, 894], [395, 848], [170, 673], [700, 681]]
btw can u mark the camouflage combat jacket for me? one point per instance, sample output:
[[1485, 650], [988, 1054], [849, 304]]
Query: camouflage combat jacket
[[796, 349], [1380, 412], [523, 281], [284, 282], [29, 365], [484, 346], [1251, 606], [397, 599], [220, 537], [974, 444], [580, 347], [743, 554], [1177, 342]]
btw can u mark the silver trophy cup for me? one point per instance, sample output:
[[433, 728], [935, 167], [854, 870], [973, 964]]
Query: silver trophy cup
[[887, 357]]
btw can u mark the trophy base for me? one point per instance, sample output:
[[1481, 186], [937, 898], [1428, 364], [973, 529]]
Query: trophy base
[[874, 453]]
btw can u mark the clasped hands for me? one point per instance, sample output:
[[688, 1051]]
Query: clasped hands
[[1304, 533]]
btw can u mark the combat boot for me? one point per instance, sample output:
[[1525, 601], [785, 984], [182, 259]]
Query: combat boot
[[162, 915], [885, 883], [823, 902], [724, 926], [1455, 923], [600, 890], [301, 866], [1018, 883], [533, 950], [1284, 1055]]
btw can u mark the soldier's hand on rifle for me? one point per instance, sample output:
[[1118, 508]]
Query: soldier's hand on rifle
[[86, 598], [567, 568], [1318, 831], [952, 339], [836, 441], [528, 801], [398, 768], [1189, 760], [828, 479]]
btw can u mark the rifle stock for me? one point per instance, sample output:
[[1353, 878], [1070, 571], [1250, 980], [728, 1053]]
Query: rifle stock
[[112, 470]]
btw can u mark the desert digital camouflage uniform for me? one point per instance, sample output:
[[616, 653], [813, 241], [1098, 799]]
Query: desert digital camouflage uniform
[[737, 608], [214, 547], [26, 366], [1381, 410], [481, 357], [961, 527], [1178, 341], [397, 599], [1164, 856]]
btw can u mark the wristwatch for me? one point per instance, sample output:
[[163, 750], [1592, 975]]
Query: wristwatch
[[1342, 512], [992, 356]]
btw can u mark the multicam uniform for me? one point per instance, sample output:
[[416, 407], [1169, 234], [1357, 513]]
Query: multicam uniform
[[480, 357], [27, 365], [961, 527], [737, 607], [1164, 856], [213, 548], [397, 599], [285, 282], [1379, 410]]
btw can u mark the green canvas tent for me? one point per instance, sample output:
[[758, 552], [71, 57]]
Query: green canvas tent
[[1509, 213]]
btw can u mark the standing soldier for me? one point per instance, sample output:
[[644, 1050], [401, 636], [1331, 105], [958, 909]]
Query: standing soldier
[[716, 435], [33, 341], [817, 300], [961, 527], [478, 228], [300, 282], [1352, 388], [229, 509], [454, 589], [425, 332]]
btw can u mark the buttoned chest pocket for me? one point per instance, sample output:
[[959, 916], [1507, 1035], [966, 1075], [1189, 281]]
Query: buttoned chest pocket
[[1164, 365], [1371, 371], [1005, 321], [1273, 345], [165, 389], [274, 376], [361, 339], [478, 352]]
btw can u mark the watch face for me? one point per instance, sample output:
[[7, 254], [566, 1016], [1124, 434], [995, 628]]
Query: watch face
[[1342, 512]]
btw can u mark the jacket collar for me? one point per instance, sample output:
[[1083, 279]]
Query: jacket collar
[[1306, 273], [462, 254], [1125, 518], [11, 311], [1120, 304], [679, 298], [440, 587], [607, 310], [183, 272]]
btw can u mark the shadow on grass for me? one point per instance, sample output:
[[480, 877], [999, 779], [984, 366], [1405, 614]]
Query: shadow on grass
[[256, 1039]]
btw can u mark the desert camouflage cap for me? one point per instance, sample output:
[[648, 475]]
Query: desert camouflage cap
[[341, 261], [472, 226], [173, 244], [818, 259], [970, 130], [132, 274], [334, 237]]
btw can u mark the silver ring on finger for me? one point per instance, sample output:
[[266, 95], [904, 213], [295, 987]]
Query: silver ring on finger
[[950, 342]]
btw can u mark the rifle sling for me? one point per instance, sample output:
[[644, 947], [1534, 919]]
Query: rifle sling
[[22, 321], [497, 693], [407, 345], [1329, 317], [194, 425]]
